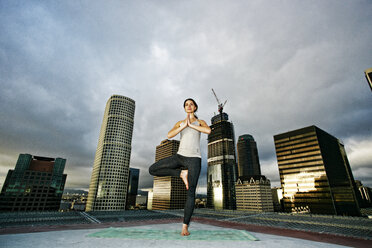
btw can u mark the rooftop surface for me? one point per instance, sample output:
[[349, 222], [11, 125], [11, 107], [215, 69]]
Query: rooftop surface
[[57, 229]]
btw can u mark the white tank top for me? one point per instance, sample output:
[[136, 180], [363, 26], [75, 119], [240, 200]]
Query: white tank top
[[190, 142]]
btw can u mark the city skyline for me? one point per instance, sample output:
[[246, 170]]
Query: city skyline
[[281, 66]]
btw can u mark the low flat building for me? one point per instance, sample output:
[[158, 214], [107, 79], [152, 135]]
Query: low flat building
[[253, 193]]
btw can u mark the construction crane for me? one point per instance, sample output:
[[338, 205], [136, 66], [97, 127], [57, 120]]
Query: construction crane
[[220, 105]]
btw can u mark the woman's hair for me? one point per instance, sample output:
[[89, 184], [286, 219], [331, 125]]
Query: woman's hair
[[196, 105]]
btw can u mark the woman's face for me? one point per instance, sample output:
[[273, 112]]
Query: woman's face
[[190, 106]]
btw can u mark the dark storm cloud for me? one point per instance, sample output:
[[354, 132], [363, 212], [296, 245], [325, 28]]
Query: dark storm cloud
[[281, 66]]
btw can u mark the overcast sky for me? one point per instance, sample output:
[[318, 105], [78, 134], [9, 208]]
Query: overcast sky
[[281, 65]]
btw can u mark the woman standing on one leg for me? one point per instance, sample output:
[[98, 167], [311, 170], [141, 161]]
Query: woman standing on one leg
[[188, 157]]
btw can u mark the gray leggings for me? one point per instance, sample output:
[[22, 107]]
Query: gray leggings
[[172, 166]]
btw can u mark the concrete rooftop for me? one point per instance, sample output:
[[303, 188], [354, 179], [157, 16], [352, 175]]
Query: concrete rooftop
[[272, 229]]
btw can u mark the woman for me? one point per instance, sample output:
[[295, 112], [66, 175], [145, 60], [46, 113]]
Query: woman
[[187, 162]]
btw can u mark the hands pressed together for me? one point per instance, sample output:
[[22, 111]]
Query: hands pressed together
[[202, 127], [187, 124]]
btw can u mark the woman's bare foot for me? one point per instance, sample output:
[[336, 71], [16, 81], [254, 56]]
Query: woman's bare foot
[[185, 231], [183, 175]]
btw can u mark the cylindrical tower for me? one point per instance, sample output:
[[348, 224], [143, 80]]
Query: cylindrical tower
[[108, 185], [248, 161]]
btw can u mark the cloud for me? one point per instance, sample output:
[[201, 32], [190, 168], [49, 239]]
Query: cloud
[[281, 66], [359, 152]]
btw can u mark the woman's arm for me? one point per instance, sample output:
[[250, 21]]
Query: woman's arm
[[204, 128], [176, 129]]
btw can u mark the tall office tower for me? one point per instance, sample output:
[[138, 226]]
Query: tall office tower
[[168, 192], [222, 168], [248, 161], [253, 193], [108, 185], [132, 187], [315, 173], [36, 184]]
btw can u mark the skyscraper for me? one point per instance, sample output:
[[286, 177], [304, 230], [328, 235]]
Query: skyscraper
[[132, 187], [222, 169], [315, 173], [248, 161], [253, 192], [168, 192], [109, 181], [36, 184]]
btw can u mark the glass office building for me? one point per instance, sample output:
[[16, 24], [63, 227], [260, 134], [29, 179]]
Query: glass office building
[[36, 184], [132, 187], [222, 168], [315, 173], [109, 181], [248, 161]]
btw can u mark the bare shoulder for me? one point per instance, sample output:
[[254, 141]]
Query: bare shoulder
[[202, 123]]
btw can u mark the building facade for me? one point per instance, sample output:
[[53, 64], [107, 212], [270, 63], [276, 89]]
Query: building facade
[[222, 168], [167, 148], [132, 187], [36, 184], [368, 74], [277, 194], [365, 194], [253, 193], [248, 161], [150, 196], [315, 173], [109, 181], [169, 192]]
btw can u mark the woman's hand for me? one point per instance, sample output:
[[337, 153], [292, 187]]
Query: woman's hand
[[188, 122], [177, 128], [203, 127]]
